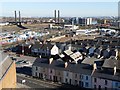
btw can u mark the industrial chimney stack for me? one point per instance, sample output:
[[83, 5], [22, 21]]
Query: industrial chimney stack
[[55, 16], [19, 17], [58, 16], [15, 17]]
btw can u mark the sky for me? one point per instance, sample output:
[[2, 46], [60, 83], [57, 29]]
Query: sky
[[67, 9]]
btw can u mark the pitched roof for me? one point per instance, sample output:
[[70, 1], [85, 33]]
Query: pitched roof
[[76, 56], [59, 65], [90, 60], [106, 76], [68, 52], [42, 46], [5, 63], [111, 63]]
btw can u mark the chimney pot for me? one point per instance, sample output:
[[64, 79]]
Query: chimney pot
[[94, 66], [40, 56], [50, 60], [114, 70], [66, 64]]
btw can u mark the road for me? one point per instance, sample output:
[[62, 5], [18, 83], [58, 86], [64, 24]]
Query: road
[[34, 83]]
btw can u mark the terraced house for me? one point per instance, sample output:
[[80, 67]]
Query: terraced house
[[91, 72]]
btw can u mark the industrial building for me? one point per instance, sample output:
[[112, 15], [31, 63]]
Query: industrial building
[[85, 21]]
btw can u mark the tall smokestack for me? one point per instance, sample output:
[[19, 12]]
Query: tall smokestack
[[55, 16], [15, 17], [19, 17], [58, 16]]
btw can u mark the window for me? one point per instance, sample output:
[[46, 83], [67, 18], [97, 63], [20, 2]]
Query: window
[[43, 69], [116, 84], [95, 87], [50, 71], [82, 84], [60, 79], [67, 74], [40, 75], [70, 81], [58, 73], [95, 80], [86, 77], [99, 88], [75, 75], [36, 74], [76, 82], [81, 77], [86, 84], [66, 80], [36, 68], [105, 88], [106, 82], [50, 77]]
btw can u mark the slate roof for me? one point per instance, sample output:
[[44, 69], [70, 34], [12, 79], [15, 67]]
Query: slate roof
[[90, 60], [111, 62], [106, 76], [59, 65], [42, 46]]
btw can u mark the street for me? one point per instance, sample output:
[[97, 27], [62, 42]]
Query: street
[[34, 83]]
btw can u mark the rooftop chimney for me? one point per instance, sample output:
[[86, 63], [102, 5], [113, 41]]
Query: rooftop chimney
[[66, 64], [50, 60], [39, 56], [15, 17], [94, 68], [117, 53], [114, 70]]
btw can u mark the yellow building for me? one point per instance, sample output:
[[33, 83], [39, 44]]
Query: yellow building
[[7, 72]]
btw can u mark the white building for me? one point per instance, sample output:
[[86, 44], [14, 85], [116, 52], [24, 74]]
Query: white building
[[88, 21], [74, 27]]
